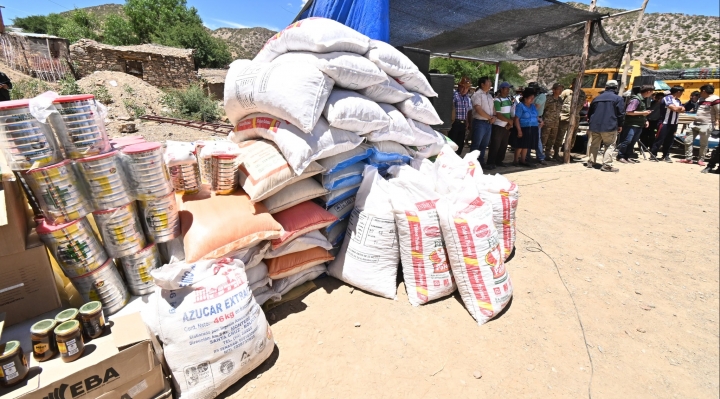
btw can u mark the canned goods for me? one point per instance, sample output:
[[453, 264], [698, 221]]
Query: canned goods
[[25, 142], [74, 246], [79, 126], [204, 163], [148, 176], [120, 230], [13, 364], [224, 175], [105, 285], [137, 269], [58, 192], [160, 218], [186, 178], [105, 179]]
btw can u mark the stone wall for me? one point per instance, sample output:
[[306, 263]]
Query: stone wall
[[161, 66]]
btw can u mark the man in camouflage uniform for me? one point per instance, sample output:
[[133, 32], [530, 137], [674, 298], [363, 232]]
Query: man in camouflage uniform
[[551, 117], [566, 96]]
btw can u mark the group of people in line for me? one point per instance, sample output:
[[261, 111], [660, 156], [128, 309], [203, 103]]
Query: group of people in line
[[537, 120]]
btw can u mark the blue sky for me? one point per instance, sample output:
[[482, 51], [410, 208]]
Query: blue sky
[[276, 14]]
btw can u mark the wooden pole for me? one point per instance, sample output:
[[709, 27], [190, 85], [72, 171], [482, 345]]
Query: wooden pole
[[578, 86], [628, 52]]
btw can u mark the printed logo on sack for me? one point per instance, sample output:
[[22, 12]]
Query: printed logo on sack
[[83, 387], [260, 346], [227, 367], [439, 260], [244, 359], [432, 231], [481, 231]]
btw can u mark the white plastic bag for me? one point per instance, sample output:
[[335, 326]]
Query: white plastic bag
[[388, 91], [295, 92], [369, 256], [298, 148], [474, 252], [419, 108], [317, 35], [348, 70], [179, 153], [213, 331], [354, 112], [425, 266], [398, 130]]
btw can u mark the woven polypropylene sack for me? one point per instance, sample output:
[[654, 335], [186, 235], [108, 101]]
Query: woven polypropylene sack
[[475, 253], [192, 304], [299, 220], [389, 91], [287, 265], [284, 285], [348, 70], [298, 192], [351, 111], [308, 240], [257, 276], [419, 108], [417, 82], [369, 255], [317, 35], [388, 152], [343, 160], [503, 195], [390, 59], [294, 92], [431, 150], [299, 149], [426, 271], [252, 256], [398, 130], [346, 177], [336, 196]]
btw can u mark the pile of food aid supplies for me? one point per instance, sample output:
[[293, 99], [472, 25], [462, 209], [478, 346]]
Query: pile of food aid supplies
[[332, 168]]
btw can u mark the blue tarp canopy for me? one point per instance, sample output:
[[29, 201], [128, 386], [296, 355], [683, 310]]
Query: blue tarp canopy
[[447, 26]]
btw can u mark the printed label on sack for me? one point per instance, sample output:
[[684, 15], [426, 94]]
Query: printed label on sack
[[372, 231], [261, 160], [260, 122], [244, 86]]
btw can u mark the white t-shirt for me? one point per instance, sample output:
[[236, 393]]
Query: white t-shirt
[[485, 101]]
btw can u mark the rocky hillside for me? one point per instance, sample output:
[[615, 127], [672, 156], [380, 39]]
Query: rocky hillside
[[244, 43], [102, 11]]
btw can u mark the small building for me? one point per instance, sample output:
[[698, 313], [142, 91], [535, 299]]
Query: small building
[[159, 66], [213, 81], [42, 56]]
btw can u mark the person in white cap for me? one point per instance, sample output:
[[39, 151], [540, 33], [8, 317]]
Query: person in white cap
[[606, 116]]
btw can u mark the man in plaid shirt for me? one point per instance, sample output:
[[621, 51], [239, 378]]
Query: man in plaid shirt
[[461, 108]]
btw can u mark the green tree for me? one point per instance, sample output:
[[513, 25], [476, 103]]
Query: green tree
[[118, 32], [509, 72], [80, 25], [150, 17], [210, 52], [32, 23]]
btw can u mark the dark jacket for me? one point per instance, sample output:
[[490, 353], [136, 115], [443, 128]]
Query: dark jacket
[[637, 120], [607, 112], [4, 93]]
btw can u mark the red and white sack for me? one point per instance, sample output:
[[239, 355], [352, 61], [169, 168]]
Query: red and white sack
[[317, 35], [419, 108], [348, 70], [474, 252], [192, 306], [295, 92], [388, 91], [503, 195], [424, 262], [369, 255], [298, 148]]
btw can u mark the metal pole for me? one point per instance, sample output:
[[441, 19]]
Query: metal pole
[[578, 86], [497, 76], [628, 51]]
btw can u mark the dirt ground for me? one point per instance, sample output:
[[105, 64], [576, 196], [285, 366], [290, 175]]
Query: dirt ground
[[638, 253]]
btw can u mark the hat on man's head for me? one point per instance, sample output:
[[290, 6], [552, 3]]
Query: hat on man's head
[[465, 81], [611, 84], [504, 85]]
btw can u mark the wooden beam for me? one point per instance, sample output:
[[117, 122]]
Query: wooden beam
[[629, 49], [578, 86]]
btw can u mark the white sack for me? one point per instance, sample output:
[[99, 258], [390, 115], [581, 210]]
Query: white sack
[[388, 91], [252, 256], [343, 160], [369, 256], [289, 196], [398, 130], [298, 148], [192, 306], [390, 59], [343, 178], [431, 150], [425, 265], [417, 82], [317, 35], [474, 252], [419, 108], [503, 195], [348, 70], [424, 134], [294, 92], [262, 297], [351, 111], [306, 241], [257, 276], [284, 285]]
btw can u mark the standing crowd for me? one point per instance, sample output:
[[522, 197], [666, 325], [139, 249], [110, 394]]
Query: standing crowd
[[535, 120]]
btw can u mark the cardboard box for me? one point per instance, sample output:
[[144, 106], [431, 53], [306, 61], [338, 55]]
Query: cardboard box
[[27, 286], [120, 364], [13, 222]]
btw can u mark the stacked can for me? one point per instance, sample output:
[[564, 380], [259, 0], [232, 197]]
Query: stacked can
[[137, 269], [185, 178], [160, 218], [105, 179], [224, 175], [120, 230], [57, 191], [73, 245], [204, 163], [103, 284], [79, 126], [148, 176], [25, 142]]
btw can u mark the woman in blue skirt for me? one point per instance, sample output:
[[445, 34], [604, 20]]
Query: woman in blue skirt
[[525, 136]]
